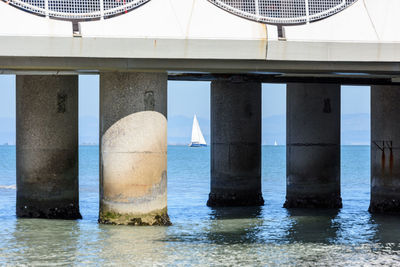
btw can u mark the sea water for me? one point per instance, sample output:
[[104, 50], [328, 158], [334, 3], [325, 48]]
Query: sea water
[[253, 236]]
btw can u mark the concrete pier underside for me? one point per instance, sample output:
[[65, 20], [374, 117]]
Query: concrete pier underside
[[133, 160], [313, 146], [385, 139], [236, 144], [47, 147]]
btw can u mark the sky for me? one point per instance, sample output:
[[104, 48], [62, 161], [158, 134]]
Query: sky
[[188, 98]]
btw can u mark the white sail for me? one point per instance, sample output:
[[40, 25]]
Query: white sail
[[197, 135], [276, 143]]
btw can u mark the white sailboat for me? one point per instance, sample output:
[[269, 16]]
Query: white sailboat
[[275, 143], [197, 135]]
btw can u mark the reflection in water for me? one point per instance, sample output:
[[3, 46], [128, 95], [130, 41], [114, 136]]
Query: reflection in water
[[124, 244], [59, 242], [313, 226], [387, 230], [39, 241], [233, 225], [249, 236]]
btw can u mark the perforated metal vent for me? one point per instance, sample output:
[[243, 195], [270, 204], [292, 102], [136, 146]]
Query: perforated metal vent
[[77, 9], [283, 11]]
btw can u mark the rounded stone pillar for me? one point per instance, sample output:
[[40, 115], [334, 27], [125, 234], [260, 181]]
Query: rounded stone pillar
[[313, 146], [47, 147], [133, 160], [385, 149], [235, 144]]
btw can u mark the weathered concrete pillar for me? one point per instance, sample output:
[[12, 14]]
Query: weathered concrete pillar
[[313, 146], [235, 144], [385, 149], [47, 147], [133, 161]]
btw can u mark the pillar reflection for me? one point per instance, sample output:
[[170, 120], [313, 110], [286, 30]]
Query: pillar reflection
[[313, 226], [235, 225]]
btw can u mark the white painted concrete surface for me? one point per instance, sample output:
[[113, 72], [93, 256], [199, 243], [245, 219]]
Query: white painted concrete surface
[[14, 22], [185, 30], [366, 21]]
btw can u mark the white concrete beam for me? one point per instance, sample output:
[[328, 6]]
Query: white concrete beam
[[187, 30], [15, 22]]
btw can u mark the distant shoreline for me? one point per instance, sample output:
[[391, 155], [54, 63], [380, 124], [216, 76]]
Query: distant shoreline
[[94, 145]]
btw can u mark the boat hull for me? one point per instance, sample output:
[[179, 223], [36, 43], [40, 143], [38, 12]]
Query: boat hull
[[197, 145]]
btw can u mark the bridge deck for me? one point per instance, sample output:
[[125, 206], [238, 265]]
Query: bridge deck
[[188, 37]]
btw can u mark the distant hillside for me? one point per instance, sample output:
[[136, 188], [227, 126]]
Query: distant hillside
[[180, 129], [274, 129], [7, 131], [88, 130], [355, 130]]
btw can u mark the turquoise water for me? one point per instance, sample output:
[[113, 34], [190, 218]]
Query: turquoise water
[[269, 235]]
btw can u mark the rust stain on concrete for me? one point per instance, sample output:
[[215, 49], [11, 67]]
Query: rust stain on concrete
[[264, 42]]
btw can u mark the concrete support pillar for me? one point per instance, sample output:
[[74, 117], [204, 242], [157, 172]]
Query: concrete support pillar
[[47, 147], [133, 160], [313, 146], [385, 149], [235, 144]]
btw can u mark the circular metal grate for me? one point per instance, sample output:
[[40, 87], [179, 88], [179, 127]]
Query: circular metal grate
[[283, 11], [77, 9]]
